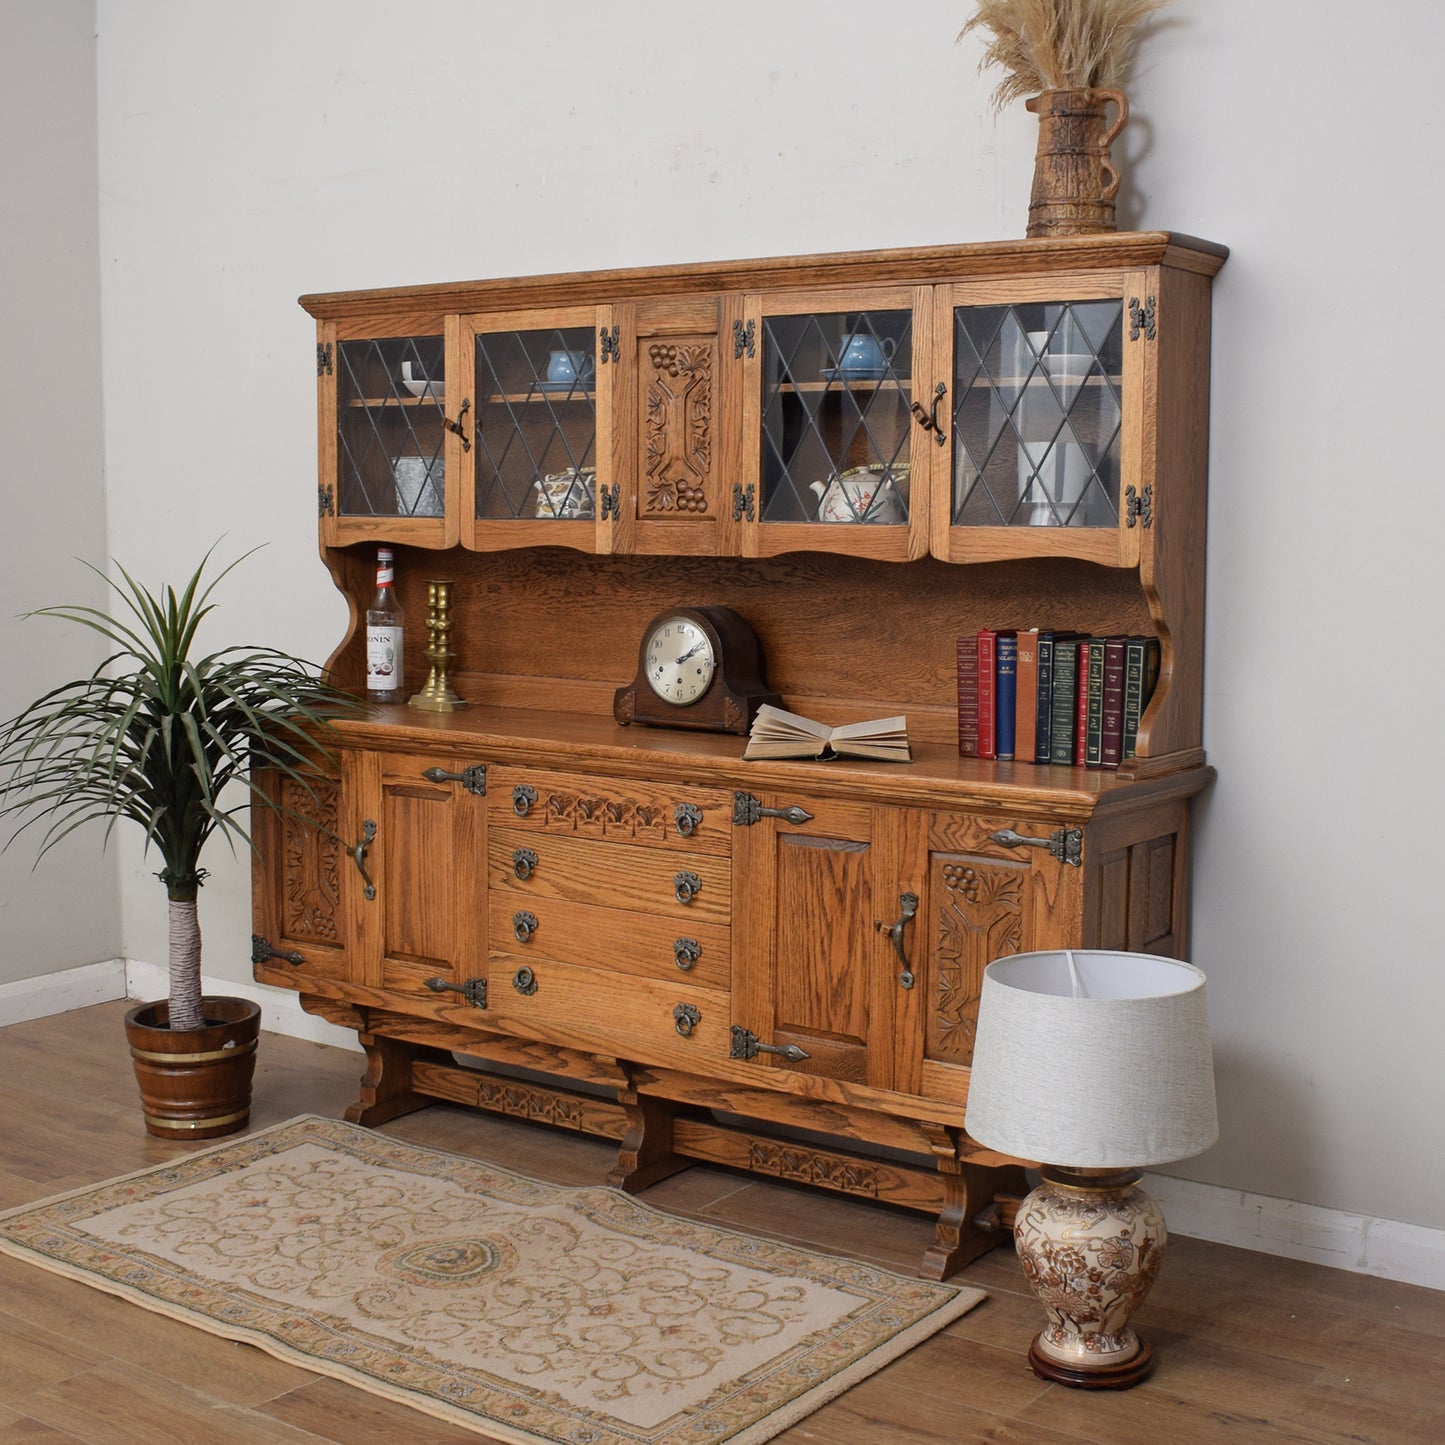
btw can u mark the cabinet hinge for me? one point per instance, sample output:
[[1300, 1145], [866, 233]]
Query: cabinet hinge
[[1065, 844], [1141, 318], [1139, 507], [745, 1046], [263, 952], [609, 345], [323, 358], [474, 990], [744, 339], [473, 779], [612, 501], [325, 501], [742, 501], [747, 810]]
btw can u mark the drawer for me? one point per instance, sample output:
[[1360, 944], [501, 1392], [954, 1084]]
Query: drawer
[[630, 1018], [574, 805], [613, 940], [684, 886]]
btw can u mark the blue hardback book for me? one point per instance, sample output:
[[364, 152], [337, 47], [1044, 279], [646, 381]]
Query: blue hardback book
[[1006, 661]]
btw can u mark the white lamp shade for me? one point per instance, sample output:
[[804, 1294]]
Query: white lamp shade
[[1092, 1059]]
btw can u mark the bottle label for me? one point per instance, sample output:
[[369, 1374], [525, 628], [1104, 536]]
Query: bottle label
[[383, 658]]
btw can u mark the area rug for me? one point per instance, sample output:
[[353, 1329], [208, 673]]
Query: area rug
[[523, 1310]]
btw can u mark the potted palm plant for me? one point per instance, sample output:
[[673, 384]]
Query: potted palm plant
[[169, 741]]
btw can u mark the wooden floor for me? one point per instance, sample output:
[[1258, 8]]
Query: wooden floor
[[1252, 1349]]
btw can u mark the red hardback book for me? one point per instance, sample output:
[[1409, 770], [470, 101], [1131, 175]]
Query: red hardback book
[[1081, 725], [1112, 750], [987, 694], [968, 697], [1026, 705]]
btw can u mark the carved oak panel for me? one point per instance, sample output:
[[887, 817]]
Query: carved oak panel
[[311, 890], [678, 383], [976, 915]]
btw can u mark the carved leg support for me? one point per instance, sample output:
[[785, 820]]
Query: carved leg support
[[645, 1154], [386, 1091], [968, 1191]]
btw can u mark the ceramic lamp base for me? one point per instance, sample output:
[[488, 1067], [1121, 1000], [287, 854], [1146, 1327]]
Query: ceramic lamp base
[[1090, 1244]]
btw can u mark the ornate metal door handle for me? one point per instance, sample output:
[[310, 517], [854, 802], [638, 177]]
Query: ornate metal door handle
[[908, 902], [686, 952], [474, 990], [524, 925], [745, 1045], [358, 856], [524, 862], [1066, 844], [928, 420], [686, 886], [747, 810], [456, 426], [686, 1017]]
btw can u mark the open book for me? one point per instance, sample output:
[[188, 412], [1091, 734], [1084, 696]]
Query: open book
[[779, 734]]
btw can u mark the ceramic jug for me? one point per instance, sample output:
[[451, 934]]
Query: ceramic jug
[[866, 494], [864, 354]]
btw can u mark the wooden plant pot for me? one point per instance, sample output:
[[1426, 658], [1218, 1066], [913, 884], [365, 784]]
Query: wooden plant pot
[[1075, 182], [195, 1083]]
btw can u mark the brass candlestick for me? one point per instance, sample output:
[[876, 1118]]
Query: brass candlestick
[[437, 695]]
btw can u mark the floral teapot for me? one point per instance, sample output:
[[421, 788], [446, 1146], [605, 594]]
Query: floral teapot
[[864, 494]]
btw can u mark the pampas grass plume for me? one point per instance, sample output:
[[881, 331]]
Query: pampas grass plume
[[1058, 44]]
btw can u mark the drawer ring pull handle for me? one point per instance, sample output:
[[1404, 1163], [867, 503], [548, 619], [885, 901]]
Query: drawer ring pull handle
[[525, 981], [686, 886], [524, 925], [524, 863], [686, 1017], [522, 799], [687, 816], [686, 952], [908, 903]]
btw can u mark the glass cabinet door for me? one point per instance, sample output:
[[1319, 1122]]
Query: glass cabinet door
[[836, 440], [534, 444], [389, 431], [1045, 424]]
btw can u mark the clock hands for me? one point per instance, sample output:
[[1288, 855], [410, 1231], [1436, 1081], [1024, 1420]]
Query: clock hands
[[692, 651]]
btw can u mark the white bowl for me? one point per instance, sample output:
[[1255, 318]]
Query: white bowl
[[421, 385]]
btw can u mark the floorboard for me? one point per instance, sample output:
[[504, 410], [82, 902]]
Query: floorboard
[[1251, 1348]]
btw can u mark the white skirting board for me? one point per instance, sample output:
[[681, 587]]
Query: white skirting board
[[1356, 1242]]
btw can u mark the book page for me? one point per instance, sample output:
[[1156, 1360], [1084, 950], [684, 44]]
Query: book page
[[878, 727], [775, 724]]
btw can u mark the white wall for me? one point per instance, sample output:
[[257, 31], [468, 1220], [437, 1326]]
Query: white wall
[[250, 153], [50, 448]]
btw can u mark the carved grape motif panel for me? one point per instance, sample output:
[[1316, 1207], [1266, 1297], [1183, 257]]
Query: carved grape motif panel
[[677, 430], [977, 916]]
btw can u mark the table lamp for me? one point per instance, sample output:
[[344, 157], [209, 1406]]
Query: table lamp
[[1092, 1064]]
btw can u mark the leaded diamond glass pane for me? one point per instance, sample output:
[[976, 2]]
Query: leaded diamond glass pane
[[390, 415], [1036, 415], [836, 393], [536, 433]]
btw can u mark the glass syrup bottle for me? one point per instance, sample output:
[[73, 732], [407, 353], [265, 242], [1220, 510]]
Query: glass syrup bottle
[[384, 635]]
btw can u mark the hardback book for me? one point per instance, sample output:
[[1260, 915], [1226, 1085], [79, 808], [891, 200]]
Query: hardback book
[[1081, 701], [1006, 655], [968, 696], [1141, 672], [987, 693], [1094, 705], [1026, 705], [1111, 742], [1064, 699], [779, 734]]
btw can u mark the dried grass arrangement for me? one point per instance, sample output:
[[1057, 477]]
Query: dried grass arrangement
[[1045, 45]]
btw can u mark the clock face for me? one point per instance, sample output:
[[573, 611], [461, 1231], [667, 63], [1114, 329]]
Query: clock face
[[680, 661]]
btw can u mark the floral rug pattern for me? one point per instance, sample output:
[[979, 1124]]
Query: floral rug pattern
[[529, 1311]]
